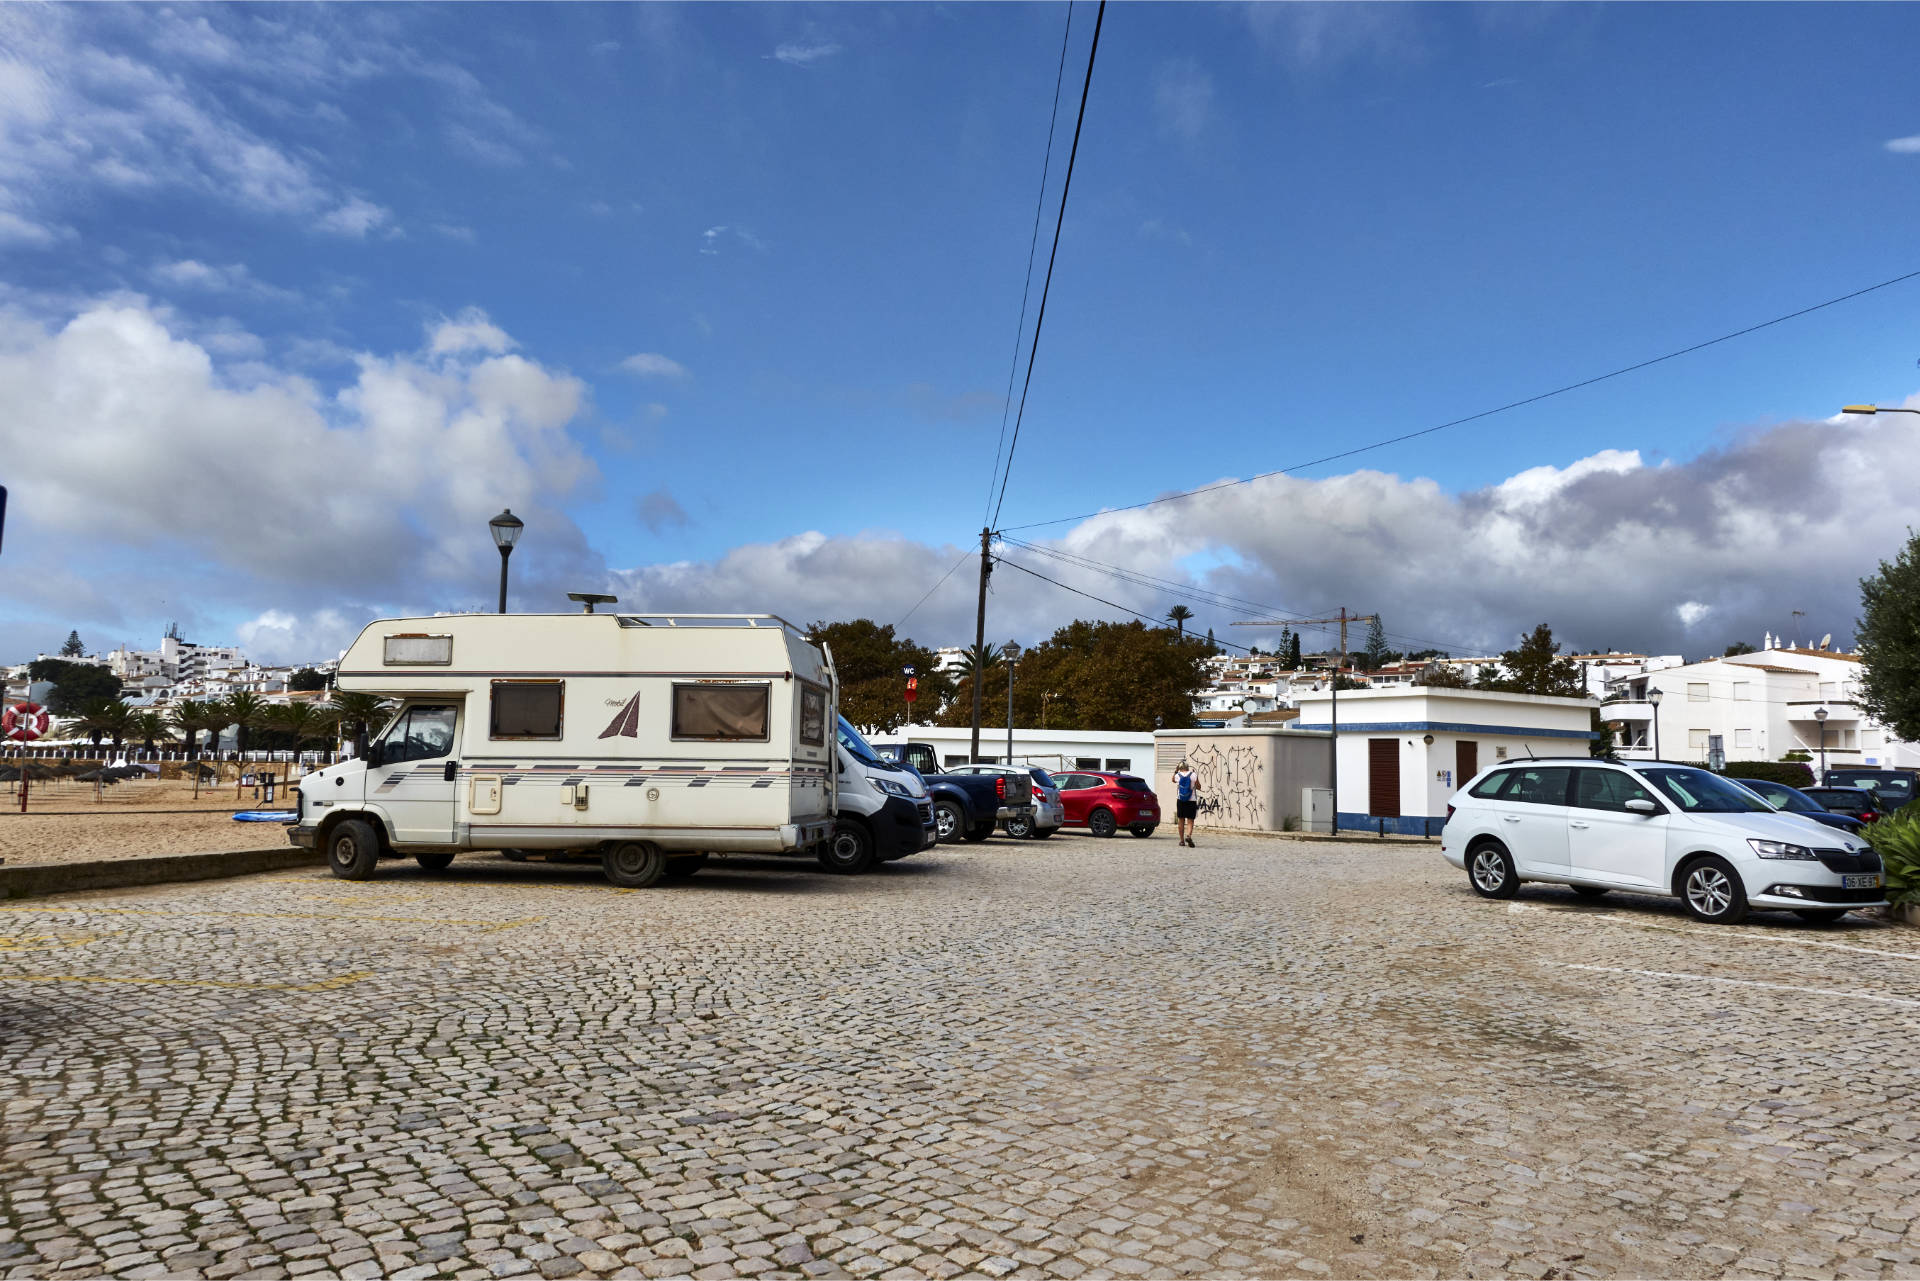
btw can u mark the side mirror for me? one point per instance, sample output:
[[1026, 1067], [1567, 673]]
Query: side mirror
[[1642, 806], [375, 753]]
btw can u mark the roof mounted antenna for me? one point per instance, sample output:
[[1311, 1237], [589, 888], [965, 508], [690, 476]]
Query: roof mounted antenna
[[589, 599], [1530, 755]]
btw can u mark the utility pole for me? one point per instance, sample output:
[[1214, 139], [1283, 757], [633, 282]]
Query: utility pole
[[1339, 661], [980, 635]]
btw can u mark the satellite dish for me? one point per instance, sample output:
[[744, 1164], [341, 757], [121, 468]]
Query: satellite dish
[[1826, 642]]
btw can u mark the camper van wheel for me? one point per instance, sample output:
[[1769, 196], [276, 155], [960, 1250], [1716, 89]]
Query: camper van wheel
[[684, 866], [434, 862], [353, 847], [634, 865], [948, 822], [851, 851]]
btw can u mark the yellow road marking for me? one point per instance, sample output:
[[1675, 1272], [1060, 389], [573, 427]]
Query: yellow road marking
[[325, 985], [490, 926], [42, 942]]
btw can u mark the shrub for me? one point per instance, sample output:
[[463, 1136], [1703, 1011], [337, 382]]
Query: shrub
[[1797, 755], [1791, 773], [1897, 839]]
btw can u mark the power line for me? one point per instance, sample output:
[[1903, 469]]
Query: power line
[[1039, 203], [1111, 604], [1040, 317], [1485, 413], [931, 590]]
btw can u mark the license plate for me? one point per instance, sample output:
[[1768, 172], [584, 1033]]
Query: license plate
[[1868, 881]]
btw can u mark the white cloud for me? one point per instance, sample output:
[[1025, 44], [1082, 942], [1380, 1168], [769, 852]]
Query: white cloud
[[356, 217], [281, 636], [1183, 98], [1691, 612], [710, 239], [1907, 146], [1318, 34], [651, 364], [131, 444], [451, 231], [804, 55], [16, 230], [230, 278]]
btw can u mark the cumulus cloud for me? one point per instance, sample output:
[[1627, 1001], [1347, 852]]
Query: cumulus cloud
[[660, 510], [1183, 98], [281, 636], [651, 364], [131, 443], [1611, 551]]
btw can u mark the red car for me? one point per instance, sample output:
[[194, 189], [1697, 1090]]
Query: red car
[[1104, 803]]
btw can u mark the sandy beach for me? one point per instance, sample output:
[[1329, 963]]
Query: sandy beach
[[64, 824]]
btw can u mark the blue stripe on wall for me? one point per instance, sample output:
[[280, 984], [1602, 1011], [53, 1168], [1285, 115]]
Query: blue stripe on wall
[[1449, 727], [1404, 825]]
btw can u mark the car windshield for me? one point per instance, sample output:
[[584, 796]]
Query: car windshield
[[1891, 790], [1698, 792], [1783, 797], [861, 750]]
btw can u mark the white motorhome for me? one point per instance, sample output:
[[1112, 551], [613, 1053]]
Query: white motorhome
[[654, 739]]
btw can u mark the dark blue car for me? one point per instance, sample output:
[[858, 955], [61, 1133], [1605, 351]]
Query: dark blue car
[[1795, 801]]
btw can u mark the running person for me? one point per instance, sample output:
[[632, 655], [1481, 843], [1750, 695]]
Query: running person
[[1187, 803]]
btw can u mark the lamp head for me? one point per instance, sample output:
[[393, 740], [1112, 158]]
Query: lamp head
[[1859, 409], [506, 529], [1654, 696], [1820, 714]]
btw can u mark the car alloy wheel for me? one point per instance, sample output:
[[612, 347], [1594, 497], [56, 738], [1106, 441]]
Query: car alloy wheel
[[1709, 891], [1489, 871]]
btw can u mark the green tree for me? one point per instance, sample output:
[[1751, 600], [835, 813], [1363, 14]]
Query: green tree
[[108, 718], [871, 663], [1102, 676], [1179, 616], [306, 679], [1888, 635], [73, 648], [1293, 651], [189, 718], [1376, 655], [76, 686], [1536, 668], [357, 715], [244, 711], [149, 728], [1213, 646], [1440, 676], [1739, 647], [299, 720]]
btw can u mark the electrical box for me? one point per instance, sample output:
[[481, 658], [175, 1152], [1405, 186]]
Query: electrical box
[[1316, 809], [483, 794], [574, 794]]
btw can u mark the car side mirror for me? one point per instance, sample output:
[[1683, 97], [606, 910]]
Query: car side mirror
[[376, 752], [1642, 806]]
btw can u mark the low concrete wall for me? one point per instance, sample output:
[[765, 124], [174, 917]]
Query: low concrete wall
[[65, 878]]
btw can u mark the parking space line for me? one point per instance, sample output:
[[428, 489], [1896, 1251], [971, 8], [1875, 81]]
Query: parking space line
[[284, 916], [324, 985], [1714, 978], [1710, 931]]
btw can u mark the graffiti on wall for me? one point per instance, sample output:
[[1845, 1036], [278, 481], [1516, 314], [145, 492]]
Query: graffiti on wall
[[1231, 794]]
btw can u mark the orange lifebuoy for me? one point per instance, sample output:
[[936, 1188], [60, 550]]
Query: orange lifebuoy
[[23, 722]]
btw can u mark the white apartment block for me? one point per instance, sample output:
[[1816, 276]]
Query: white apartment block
[[1761, 706]]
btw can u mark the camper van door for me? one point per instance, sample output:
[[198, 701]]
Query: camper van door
[[411, 779]]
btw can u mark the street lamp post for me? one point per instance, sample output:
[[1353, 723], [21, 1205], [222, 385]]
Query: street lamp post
[[1011, 664], [506, 529], [1820, 714], [1654, 696]]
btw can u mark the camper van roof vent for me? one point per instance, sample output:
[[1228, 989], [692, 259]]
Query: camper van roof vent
[[709, 620], [589, 599]]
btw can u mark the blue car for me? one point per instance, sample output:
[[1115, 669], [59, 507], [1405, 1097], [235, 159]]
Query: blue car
[[1794, 801]]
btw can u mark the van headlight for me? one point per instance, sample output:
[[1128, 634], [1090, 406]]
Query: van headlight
[[1780, 849], [892, 788]]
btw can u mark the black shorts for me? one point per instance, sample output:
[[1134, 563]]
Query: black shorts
[[1186, 809]]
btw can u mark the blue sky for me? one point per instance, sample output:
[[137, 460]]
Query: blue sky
[[729, 297]]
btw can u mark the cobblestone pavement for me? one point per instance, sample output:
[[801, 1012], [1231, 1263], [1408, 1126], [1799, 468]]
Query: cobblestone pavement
[[1073, 1058]]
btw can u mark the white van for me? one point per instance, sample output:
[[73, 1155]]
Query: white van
[[653, 739]]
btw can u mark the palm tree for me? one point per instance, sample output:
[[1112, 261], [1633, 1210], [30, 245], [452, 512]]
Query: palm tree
[[244, 711], [149, 726], [301, 720], [96, 720], [113, 718], [357, 714], [190, 716], [977, 658], [1178, 616]]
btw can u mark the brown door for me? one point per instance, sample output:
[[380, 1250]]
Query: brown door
[[1383, 777], [1466, 761]]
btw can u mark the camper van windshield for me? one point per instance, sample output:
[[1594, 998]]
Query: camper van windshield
[[859, 748]]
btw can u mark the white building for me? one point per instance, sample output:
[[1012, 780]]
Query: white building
[[1051, 749], [1761, 706], [1401, 754]]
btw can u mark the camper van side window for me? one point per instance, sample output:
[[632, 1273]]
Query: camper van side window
[[527, 709], [813, 715], [720, 711]]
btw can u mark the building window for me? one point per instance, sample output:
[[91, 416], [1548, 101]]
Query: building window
[[1697, 740], [1740, 694], [1742, 737], [1119, 767], [1086, 762], [1697, 692], [956, 758], [526, 709], [720, 712]]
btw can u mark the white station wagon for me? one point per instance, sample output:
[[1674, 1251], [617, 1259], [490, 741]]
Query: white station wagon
[[1597, 825]]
